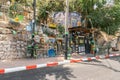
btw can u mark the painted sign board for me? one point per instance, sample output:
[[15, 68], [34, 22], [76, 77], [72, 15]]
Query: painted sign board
[[73, 19]]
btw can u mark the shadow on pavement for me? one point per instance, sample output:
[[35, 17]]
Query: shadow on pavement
[[116, 58], [48, 73], [99, 63]]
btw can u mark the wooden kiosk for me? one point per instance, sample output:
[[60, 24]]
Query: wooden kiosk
[[77, 38]]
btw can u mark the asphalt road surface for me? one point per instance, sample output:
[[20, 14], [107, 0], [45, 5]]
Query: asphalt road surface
[[107, 69]]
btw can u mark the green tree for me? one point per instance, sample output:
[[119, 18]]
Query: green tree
[[47, 7], [106, 18], [18, 7]]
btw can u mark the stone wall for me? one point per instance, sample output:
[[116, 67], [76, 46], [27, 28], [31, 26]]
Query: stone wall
[[10, 45]]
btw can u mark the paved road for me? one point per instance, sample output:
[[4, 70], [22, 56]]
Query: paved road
[[108, 69]]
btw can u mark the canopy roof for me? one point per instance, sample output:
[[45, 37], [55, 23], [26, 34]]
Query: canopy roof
[[79, 29]]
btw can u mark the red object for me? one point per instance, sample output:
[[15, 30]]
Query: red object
[[2, 71], [31, 67], [89, 59], [75, 61], [52, 64]]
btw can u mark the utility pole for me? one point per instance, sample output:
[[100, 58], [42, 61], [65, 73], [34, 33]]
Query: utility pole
[[66, 28], [34, 15], [33, 52]]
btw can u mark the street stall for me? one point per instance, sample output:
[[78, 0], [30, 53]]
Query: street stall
[[77, 39], [81, 39]]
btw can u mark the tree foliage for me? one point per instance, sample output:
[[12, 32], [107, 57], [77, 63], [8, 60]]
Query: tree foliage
[[107, 18], [18, 6], [48, 6]]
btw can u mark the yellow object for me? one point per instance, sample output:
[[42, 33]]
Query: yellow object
[[13, 1], [52, 25], [16, 19]]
